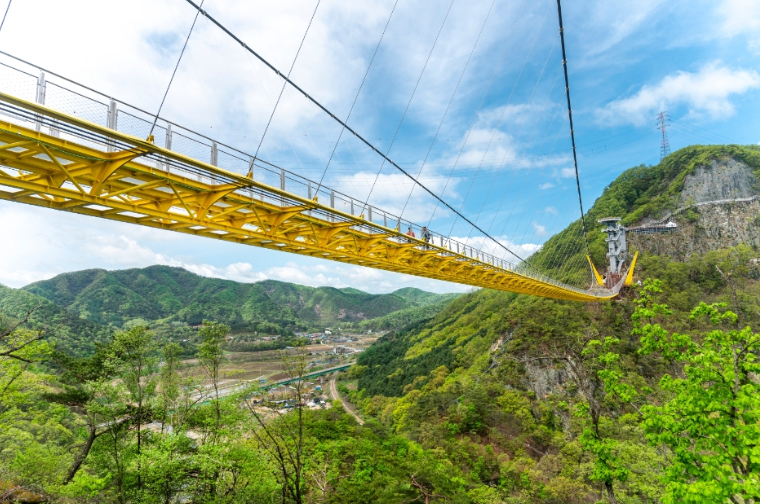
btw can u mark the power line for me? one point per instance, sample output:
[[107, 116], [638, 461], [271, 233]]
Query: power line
[[570, 117], [342, 123]]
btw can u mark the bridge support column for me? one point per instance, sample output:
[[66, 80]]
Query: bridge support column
[[41, 85], [111, 122], [168, 144]]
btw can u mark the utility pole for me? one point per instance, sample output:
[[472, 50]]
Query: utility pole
[[663, 121]]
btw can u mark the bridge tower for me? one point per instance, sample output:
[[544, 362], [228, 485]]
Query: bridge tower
[[616, 249]]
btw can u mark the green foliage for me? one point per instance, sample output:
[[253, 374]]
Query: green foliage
[[489, 398], [165, 294], [639, 192], [400, 319], [398, 358], [507, 385], [711, 420], [69, 333]]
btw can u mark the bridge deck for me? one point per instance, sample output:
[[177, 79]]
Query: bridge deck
[[58, 161]]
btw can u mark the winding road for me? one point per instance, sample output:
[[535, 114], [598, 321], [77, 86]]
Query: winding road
[[346, 405]]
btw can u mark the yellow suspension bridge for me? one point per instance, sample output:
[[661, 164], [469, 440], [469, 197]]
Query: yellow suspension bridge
[[76, 150]]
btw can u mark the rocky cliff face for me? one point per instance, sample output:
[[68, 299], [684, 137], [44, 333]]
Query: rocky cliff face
[[704, 228], [720, 180], [708, 220]]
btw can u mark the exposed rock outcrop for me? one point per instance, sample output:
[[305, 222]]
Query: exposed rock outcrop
[[720, 180], [545, 380], [704, 228], [709, 219]]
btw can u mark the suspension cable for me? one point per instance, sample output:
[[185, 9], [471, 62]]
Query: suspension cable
[[276, 103], [477, 116], [168, 86], [511, 142], [570, 117], [411, 97], [358, 91], [6, 14], [445, 113], [342, 123]]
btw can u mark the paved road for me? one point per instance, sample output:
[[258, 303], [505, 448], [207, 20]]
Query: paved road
[[348, 407]]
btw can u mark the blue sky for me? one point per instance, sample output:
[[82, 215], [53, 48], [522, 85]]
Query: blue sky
[[501, 152]]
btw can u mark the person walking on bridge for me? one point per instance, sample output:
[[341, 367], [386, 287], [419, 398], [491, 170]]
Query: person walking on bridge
[[425, 235], [409, 232]]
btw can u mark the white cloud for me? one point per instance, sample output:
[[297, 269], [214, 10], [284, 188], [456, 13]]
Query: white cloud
[[545, 186], [613, 22], [706, 92], [741, 17], [516, 251], [567, 173], [539, 229], [551, 210]]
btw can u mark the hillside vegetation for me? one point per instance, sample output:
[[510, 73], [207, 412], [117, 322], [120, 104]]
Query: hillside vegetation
[[544, 401], [496, 398], [638, 193], [166, 294], [70, 333]]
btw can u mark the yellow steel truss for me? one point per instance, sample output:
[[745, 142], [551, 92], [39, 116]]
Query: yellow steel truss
[[89, 177]]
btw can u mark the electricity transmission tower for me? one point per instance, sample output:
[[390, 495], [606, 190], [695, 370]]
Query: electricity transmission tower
[[663, 121]]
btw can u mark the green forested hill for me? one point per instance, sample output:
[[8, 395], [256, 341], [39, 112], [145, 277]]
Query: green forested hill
[[502, 383], [639, 192], [491, 398], [162, 293], [463, 331], [69, 333]]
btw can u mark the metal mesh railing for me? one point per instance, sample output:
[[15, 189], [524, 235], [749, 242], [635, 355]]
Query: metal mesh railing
[[75, 104], [139, 127], [231, 162], [74, 99], [18, 83]]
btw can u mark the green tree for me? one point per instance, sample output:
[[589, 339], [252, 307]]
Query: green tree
[[135, 361], [20, 348], [711, 421], [282, 435], [211, 358], [593, 364]]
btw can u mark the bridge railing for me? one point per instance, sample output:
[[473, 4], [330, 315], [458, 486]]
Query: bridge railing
[[32, 83]]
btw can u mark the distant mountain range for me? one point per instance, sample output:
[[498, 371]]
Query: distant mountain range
[[95, 302]]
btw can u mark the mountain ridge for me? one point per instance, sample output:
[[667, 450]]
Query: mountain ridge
[[167, 294]]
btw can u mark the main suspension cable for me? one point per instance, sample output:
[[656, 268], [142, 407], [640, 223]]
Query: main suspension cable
[[570, 117], [276, 103], [342, 123]]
